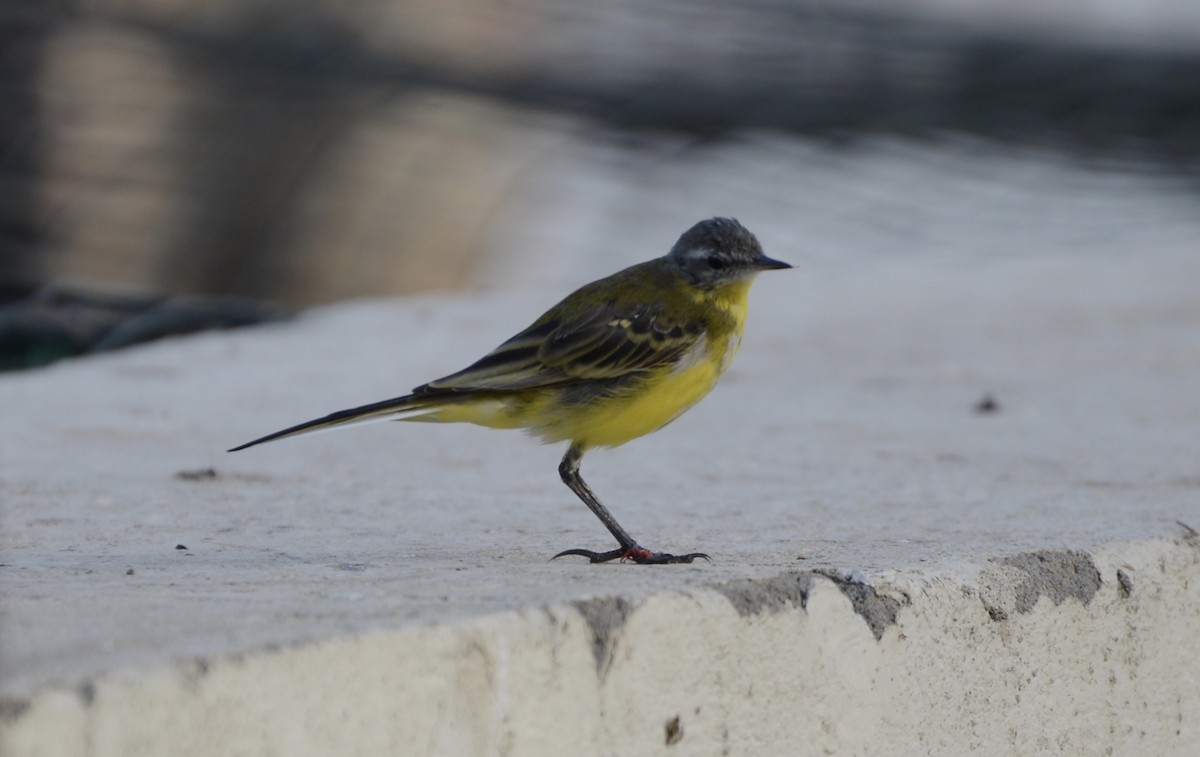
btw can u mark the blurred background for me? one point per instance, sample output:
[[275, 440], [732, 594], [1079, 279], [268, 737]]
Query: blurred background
[[167, 165]]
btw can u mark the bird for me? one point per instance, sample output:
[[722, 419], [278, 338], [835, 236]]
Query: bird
[[616, 359]]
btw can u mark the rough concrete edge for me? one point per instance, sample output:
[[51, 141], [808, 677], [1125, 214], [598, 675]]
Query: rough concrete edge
[[755, 596], [1055, 574], [1015, 583], [606, 616], [1059, 575]]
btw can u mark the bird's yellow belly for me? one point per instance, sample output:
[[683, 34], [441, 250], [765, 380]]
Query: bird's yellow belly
[[600, 422], [612, 422]]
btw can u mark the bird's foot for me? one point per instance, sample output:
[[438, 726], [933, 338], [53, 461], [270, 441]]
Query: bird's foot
[[639, 555]]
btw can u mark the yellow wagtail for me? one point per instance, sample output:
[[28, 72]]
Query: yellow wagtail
[[616, 359]]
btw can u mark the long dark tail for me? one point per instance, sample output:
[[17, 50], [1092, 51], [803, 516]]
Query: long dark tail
[[393, 409]]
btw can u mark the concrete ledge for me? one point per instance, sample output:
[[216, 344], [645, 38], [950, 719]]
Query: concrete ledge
[[900, 568], [1048, 652]]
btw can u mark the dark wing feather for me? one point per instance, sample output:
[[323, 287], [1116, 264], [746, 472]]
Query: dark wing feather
[[610, 343], [605, 342], [511, 366]]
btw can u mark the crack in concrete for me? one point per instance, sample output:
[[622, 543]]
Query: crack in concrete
[[605, 617]]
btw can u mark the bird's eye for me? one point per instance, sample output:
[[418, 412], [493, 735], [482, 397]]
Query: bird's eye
[[715, 262]]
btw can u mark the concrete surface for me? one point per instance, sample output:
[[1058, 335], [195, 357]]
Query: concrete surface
[[894, 571]]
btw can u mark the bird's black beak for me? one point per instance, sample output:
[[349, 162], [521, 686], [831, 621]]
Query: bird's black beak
[[770, 264]]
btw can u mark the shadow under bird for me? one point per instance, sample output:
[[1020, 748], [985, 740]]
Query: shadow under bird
[[617, 359]]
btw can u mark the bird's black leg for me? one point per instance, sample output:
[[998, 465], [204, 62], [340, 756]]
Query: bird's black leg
[[629, 549]]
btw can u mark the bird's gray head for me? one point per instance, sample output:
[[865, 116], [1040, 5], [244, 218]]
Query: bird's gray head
[[719, 251]]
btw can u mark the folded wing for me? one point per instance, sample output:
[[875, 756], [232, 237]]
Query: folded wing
[[605, 342]]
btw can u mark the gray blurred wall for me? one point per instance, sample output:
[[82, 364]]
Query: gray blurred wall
[[309, 151]]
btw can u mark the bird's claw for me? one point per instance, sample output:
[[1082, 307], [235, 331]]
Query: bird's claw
[[639, 555]]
